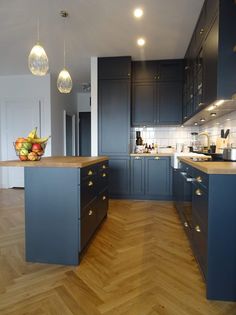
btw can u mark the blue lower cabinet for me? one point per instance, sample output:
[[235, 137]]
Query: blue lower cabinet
[[151, 178], [119, 176], [63, 209], [137, 174]]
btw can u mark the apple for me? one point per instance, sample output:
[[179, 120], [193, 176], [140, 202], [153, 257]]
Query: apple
[[32, 156], [23, 157], [19, 143], [36, 147]]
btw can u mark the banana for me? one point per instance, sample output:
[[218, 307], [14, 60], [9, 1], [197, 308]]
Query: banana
[[32, 134], [41, 140]]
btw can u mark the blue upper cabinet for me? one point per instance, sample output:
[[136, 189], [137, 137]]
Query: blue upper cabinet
[[114, 105], [114, 68], [157, 92]]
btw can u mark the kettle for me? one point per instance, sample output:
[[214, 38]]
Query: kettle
[[229, 154]]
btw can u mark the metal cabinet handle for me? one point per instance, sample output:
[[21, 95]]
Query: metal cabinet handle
[[199, 179], [90, 183], [90, 172], [201, 31], [137, 158], [157, 158], [197, 229], [104, 197], [186, 224], [104, 175], [104, 166], [90, 212], [198, 192]]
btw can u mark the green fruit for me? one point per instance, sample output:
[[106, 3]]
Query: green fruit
[[24, 152], [26, 145]]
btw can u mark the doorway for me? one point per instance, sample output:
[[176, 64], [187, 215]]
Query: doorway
[[69, 134], [85, 133]]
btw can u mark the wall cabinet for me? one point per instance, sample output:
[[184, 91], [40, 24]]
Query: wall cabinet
[[114, 68], [151, 177], [157, 93], [211, 230]]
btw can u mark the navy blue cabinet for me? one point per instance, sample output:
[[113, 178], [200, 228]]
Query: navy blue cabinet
[[119, 178], [157, 92], [157, 177], [151, 178], [137, 175], [114, 68]]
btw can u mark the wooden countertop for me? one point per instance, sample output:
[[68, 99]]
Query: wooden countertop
[[212, 167], [151, 154], [57, 161]]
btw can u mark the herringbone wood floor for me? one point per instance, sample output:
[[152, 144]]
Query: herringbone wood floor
[[139, 263]]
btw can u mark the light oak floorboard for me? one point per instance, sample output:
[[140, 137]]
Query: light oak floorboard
[[138, 263]]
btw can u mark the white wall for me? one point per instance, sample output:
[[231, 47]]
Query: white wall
[[59, 103], [83, 102], [23, 87], [94, 106]]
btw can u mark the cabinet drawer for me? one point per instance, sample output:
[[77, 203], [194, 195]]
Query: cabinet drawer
[[201, 179], [87, 225], [199, 241], [89, 171], [102, 180], [200, 206], [89, 188], [102, 205], [103, 166]]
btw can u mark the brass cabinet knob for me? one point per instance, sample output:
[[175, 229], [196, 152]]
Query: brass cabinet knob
[[104, 175], [90, 183], [104, 197], [104, 166], [199, 179], [186, 224], [201, 31], [157, 158], [137, 158], [197, 229], [90, 172], [90, 212], [198, 192]]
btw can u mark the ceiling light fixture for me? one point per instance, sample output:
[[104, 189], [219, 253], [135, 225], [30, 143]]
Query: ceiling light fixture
[[138, 13], [195, 124], [38, 60], [213, 114], [64, 81], [202, 119], [141, 41]]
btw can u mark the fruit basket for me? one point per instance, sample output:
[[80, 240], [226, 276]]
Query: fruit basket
[[31, 148]]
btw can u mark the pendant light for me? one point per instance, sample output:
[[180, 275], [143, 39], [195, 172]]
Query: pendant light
[[38, 60], [64, 81]]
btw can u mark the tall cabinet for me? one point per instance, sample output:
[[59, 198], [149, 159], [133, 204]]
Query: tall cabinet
[[114, 85]]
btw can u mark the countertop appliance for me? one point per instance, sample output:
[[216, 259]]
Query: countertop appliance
[[229, 154]]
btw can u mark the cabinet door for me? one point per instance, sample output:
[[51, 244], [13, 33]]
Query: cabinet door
[[144, 71], [157, 177], [119, 178], [170, 102], [171, 70], [137, 175], [114, 68], [114, 117], [210, 58], [144, 104], [211, 8], [200, 30]]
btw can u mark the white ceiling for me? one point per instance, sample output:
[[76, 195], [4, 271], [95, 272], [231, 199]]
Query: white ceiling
[[94, 28]]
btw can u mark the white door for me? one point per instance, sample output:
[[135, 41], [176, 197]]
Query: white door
[[21, 116]]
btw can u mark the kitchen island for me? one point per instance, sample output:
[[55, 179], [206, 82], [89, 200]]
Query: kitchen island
[[66, 199], [204, 194]]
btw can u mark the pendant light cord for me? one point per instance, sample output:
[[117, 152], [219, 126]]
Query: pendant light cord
[[38, 29], [64, 56]]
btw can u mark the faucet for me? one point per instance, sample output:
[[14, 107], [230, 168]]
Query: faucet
[[208, 138]]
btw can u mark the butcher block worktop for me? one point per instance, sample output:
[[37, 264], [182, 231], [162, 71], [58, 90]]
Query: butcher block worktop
[[211, 167], [57, 161]]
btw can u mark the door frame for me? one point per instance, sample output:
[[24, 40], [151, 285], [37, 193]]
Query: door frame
[[64, 131]]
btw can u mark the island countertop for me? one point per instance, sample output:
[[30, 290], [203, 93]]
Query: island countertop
[[211, 167], [57, 161]]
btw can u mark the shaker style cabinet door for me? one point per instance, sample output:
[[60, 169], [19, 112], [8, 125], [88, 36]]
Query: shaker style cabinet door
[[119, 178], [114, 117], [137, 175], [114, 68], [144, 108]]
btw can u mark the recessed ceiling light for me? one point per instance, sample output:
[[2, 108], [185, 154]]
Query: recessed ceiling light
[[213, 114], [195, 124], [138, 13], [202, 119], [182, 126], [141, 41], [228, 119], [217, 123]]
